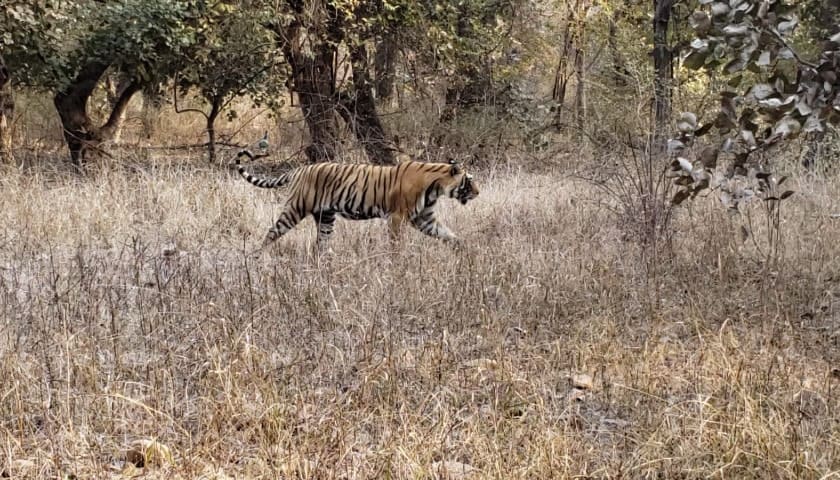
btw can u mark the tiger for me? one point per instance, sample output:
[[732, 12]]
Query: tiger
[[403, 193]]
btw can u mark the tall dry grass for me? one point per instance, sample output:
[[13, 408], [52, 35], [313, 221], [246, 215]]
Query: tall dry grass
[[131, 312]]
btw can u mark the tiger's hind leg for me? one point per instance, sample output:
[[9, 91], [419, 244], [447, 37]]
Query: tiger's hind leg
[[395, 223], [287, 221], [326, 224]]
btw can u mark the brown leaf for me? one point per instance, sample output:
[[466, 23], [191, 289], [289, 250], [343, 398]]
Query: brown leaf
[[684, 181], [680, 197], [700, 21], [708, 157]]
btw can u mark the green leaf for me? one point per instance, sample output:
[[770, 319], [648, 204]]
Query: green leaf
[[695, 60]]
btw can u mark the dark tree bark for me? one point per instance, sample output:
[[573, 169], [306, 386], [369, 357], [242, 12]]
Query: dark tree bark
[[619, 66], [384, 66], [215, 110], [358, 109], [562, 75], [313, 80], [71, 103], [663, 66], [571, 64], [7, 107]]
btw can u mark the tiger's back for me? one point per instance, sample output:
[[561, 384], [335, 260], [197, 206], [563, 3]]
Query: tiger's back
[[353, 191]]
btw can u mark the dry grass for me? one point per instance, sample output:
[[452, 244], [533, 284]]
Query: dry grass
[[130, 312]]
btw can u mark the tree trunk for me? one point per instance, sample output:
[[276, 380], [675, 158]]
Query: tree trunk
[[663, 73], [561, 77], [359, 111], [313, 80], [71, 103], [7, 107], [384, 64], [215, 109], [619, 66], [571, 63], [580, 87], [115, 87], [152, 104]]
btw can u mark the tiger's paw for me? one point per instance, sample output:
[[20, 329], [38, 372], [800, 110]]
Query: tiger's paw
[[270, 237]]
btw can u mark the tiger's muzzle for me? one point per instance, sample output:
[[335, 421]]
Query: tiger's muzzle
[[467, 190]]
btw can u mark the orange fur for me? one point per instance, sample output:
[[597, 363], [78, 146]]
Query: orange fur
[[406, 192]]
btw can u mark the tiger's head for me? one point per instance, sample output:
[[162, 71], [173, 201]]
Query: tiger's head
[[465, 190]]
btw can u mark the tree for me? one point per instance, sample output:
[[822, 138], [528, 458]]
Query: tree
[[465, 40], [793, 95], [821, 20], [24, 42], [69, 47], [234, 56], [309, 34], [7, 107], [663, 72], [145, 41], [384, 65], [313, 76], [358, 109], [574, 48]]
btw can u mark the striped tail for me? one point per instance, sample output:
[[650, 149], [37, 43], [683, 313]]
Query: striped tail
[[262, 182]]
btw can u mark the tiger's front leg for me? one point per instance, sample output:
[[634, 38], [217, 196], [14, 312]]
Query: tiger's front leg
[[426, 222]]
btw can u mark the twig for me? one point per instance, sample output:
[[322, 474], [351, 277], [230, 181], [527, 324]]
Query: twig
[[190, 146], [792, 51], [186, 110]]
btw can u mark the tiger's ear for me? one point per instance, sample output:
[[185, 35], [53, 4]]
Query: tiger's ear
[[455, 168]]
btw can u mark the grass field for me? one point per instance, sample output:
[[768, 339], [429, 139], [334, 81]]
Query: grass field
[[544, 349]]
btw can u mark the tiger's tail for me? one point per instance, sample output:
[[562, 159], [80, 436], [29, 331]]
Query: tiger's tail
[[262, 182]]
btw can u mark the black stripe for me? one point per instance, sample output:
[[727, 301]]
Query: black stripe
[[320, 178], [363, 192], [350, 183]]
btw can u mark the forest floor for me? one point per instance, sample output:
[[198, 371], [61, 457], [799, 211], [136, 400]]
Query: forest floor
[[134, 327]]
